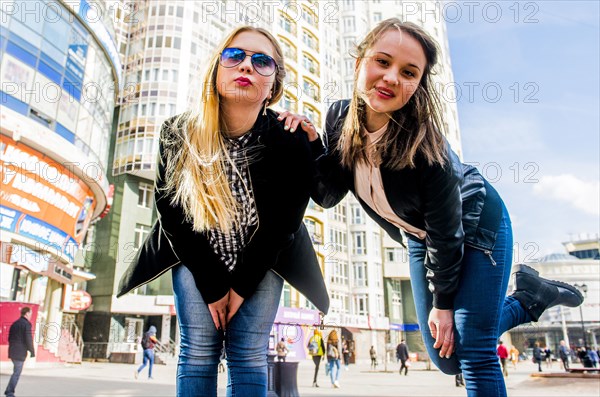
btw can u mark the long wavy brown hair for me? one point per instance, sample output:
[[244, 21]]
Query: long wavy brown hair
[[415, 129]]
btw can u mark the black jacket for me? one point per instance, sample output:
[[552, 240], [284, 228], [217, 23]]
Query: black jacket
[[282, 175], [453, 204], [20, 340], [402, 352]]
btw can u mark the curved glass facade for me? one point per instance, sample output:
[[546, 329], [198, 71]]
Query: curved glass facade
[[56, 73]]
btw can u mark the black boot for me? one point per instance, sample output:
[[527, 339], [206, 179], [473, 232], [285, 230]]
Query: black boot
[[537, 294]]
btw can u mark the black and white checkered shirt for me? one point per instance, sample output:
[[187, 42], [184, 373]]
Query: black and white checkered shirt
[[228, 245]]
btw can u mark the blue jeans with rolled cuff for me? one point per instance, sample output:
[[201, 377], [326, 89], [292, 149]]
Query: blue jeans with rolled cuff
[[245, 340], [482, 312]]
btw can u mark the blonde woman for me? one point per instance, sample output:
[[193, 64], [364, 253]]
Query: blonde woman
[[231, 191]]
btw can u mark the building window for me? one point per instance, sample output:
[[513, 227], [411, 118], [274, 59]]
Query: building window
[[287, 295], [310, 40], [360, 274], [349, 25], [378, 275], [310, 17], [312, 113], [339, 272], [393, 254], [377, 245], [310, 64], [311, 89], [396, 312], [339, 213], [145, 195], [291, 77], [287, 24], [359, 243], [339, 302], [361, 306], [288, 102], [289, 50], [338, 237], [314, 230], [141, 231], [358, 216], [376, 16], [379, 309]]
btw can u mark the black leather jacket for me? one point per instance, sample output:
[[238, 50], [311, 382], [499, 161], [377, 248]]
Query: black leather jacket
[[282, 175], [455, 205]]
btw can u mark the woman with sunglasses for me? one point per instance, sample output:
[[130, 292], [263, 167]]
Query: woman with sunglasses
[[231, 192], [385, 145]]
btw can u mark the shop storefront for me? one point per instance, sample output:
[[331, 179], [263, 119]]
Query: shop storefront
[[296, 327]]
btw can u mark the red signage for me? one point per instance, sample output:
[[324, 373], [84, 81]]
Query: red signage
[[80, 300]]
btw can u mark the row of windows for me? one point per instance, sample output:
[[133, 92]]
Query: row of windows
[[360, 302], [339, 273], [163, 10], [166, 41], [151, 109]]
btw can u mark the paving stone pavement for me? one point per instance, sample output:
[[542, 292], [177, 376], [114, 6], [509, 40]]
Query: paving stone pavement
[[106, 379]]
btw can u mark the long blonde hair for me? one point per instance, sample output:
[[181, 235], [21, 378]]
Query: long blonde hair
[[413, 129], [195, 176]]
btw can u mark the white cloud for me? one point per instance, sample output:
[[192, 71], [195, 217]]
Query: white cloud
[[583, 195]]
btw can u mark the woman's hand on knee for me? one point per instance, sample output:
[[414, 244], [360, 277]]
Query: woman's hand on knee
[[441, 326], [292, 120], [218, 312], [235, 301]]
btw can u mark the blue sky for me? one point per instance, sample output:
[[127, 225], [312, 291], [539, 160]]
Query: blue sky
[[535, 129]]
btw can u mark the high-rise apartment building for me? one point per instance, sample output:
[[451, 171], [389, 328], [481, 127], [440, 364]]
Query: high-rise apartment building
[[163, 47]]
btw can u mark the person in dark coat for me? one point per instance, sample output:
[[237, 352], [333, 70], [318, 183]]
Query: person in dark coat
[[537, 356], [564, 353], [20, 341], [402, 355]]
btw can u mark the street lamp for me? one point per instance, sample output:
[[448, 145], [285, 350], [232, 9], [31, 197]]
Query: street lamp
[[583, 288]]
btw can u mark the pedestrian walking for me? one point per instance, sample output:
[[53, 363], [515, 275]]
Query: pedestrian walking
[[333, 358], [593, 357], [386, 145], [402, 355], [373, 354], [345, 353], [537, 356], [231, 190], [459, 380], [282, 350], [548, 356], [316, 348], [148, 342], [20, 341], [514, 356], [502, 353], [564, 353]]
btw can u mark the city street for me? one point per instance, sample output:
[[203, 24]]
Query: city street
[[105, 379]]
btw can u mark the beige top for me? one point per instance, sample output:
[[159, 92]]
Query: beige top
[[369, 186]]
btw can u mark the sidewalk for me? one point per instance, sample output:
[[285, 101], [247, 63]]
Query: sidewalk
[[105, 379]]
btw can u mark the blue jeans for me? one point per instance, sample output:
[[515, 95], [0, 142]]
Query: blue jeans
[[148, 358], [14, 379], [333, 362], [482, 312], [246, 339]]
